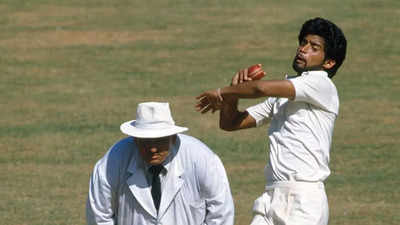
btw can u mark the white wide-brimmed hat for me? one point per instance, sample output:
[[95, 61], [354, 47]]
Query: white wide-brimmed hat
[[153, 120]]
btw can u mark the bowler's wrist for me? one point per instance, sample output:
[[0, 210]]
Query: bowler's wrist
[[226, 99]]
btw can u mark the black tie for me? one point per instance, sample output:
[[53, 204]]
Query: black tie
[[156, 185]]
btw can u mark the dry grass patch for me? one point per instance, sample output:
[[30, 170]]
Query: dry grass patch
[[367, 114], [64, 38], [43, 15], [52, 15], [40, 191], [352, 208]]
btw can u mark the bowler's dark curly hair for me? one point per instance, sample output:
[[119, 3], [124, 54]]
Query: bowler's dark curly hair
[[335, 41]]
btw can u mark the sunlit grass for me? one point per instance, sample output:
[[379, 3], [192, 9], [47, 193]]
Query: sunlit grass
[[72, 71]]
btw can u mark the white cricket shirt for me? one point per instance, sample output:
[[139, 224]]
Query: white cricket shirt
[[300, 131]]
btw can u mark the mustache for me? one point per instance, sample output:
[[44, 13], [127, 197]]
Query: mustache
[[300, 56]]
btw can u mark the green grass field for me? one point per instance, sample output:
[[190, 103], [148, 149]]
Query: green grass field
[[72, 71]]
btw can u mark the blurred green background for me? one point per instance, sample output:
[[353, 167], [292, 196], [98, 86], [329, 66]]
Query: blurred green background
[[72, 71]]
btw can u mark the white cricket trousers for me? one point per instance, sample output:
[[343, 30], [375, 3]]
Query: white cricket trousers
[[292, 203]]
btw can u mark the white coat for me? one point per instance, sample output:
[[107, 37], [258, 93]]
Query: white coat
[[195, 190]]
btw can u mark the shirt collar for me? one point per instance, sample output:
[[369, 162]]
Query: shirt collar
[[311, 72], [315, 72]]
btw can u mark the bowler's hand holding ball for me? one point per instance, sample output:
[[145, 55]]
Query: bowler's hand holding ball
[[255, 72]]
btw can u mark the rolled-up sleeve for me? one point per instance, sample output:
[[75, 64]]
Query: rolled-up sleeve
[[262, 112], [100, 205]]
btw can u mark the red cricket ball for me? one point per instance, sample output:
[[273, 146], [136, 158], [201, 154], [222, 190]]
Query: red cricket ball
[[255, 72]]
